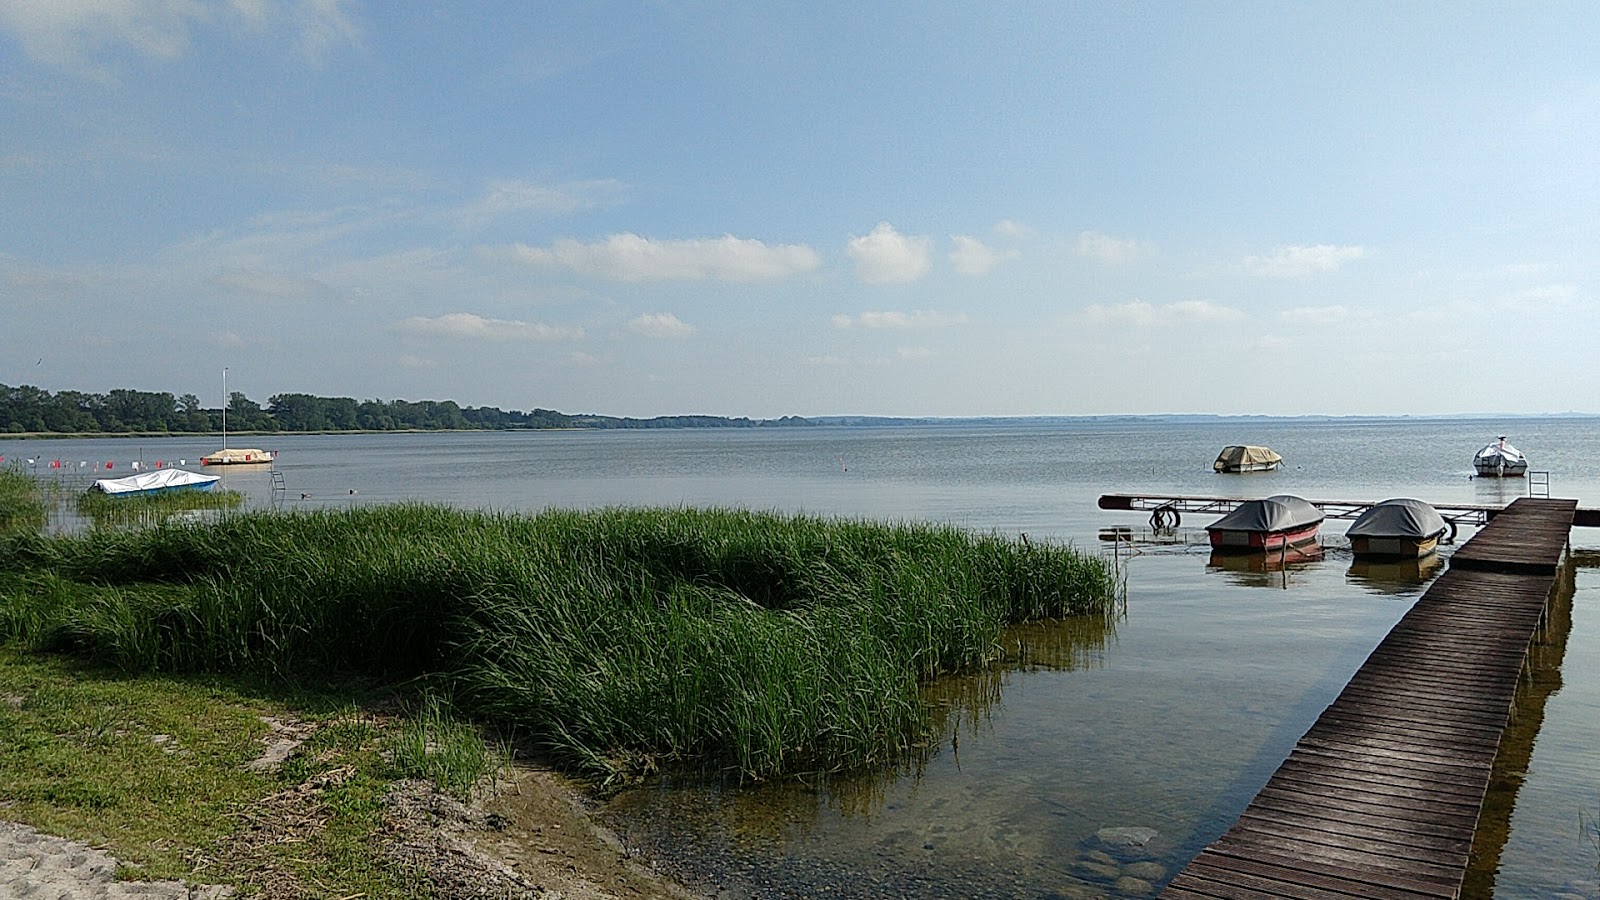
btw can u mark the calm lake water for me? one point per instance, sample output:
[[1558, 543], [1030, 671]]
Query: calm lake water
[[1106, 752]]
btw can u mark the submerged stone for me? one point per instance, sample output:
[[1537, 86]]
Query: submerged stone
[[1149, 871], [1127, 885], [1126, 836]]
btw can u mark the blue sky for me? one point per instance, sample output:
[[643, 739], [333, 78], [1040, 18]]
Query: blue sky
[[759, 210]]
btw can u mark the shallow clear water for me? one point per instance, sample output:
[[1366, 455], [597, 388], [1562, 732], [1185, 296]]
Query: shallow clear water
[[1161, 727]]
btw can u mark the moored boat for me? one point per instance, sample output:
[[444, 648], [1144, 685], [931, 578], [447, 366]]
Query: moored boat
[[1401, 528], [1246, 458], [1271, 523], [1500, 460], [161, 481], [239, 457]]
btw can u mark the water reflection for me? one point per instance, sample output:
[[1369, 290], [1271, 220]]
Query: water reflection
[[1398, 577], [1265, 569], [1541, 679], [715, 829]]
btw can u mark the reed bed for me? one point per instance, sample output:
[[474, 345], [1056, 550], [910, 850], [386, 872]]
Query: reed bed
[[105, 511], [620, 640], [22, 507]]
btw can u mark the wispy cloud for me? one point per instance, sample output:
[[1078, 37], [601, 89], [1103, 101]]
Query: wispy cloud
[[1300, 261], [1109, 250], [916, 318], [70, 34], [1142, 314], [469, 326], [888, 257], [660, 325], [629, 257], [1317, 315], [1547, 298], [1011, 228], [915, 353], [509, 197], [827, 361], [973, 257]]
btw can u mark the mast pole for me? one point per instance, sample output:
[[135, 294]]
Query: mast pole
[[224, 407]]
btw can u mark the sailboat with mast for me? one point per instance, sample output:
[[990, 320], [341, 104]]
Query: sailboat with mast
[[236, 456]]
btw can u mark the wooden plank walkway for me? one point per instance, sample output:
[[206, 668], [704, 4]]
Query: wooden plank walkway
[[1381, 797]]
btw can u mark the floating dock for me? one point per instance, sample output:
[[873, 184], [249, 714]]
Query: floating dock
[[1380, 799]]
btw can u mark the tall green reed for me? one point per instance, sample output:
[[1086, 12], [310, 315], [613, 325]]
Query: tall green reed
[[619, 639]]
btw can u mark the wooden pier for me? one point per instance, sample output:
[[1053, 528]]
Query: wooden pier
[[1380, 799]]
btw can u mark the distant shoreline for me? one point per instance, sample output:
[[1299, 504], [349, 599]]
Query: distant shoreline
[[838, 422]]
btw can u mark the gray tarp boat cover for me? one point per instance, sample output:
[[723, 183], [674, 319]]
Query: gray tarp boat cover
[[1283, 512], [1398, 518], [1240, 455]]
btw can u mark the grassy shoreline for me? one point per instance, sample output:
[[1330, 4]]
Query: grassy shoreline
[[614, 643]]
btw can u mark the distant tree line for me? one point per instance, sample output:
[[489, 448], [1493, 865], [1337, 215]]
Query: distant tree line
[[121, 411]]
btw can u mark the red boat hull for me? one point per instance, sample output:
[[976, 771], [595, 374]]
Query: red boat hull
[[1228, 541]]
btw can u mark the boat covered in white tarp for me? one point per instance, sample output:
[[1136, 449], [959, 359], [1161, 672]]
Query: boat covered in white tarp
[[238, 457], [1400, 528], [158, 482], [1500, 460], [1245, 458]]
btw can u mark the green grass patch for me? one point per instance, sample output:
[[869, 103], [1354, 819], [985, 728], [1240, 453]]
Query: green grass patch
[[153, 768]]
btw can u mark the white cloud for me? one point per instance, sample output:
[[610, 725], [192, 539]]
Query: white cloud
[[972, 257], [1012, 229], [474, 327], [1271, 342], [1109, 250], [1144, 315], [1547, 298], [888, 257], [582, 359], [69, 33], [660, 325], [1317, 315], [1297, 262], [629, 257], [511, 197], [917, 318], [416, 362], [914, 353]]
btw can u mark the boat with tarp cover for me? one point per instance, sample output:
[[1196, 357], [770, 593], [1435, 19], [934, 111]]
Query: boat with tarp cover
[[1271, 523], [161, 481], [1500, 460], [239, 457], [1401, 528], [1246, 458]]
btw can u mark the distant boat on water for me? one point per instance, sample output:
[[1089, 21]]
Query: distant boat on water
[[1246, 458], [239, 457], [236, 457], [1500, 460]]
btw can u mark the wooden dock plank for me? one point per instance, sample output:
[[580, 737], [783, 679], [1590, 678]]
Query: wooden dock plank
[[1380, 798]]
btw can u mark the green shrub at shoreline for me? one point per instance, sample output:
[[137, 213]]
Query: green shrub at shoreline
[[619, 640]]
